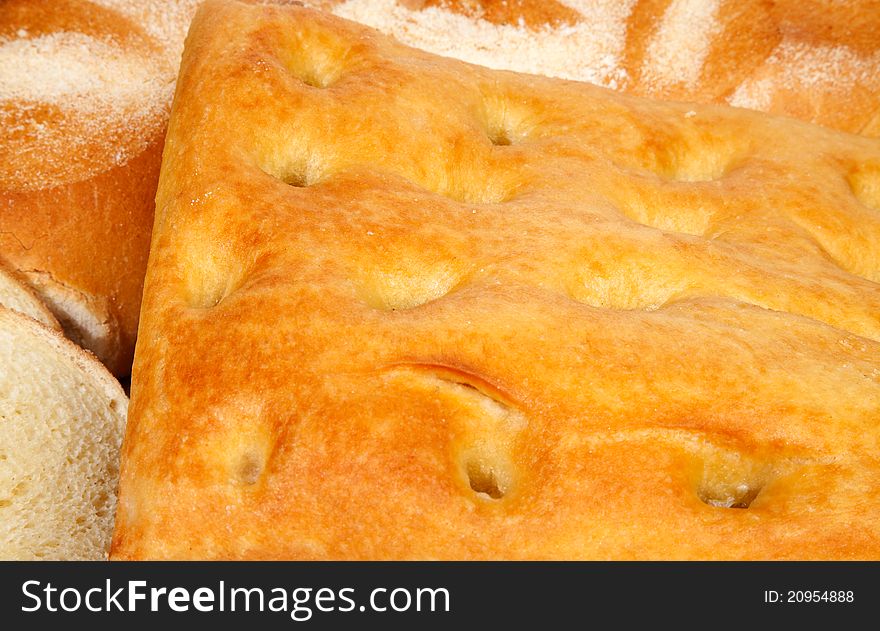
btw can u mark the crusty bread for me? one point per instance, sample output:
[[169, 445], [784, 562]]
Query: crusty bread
[[818, 60], [398, 306], [62, 416], [85, 89], [16, 295], [79, 156]]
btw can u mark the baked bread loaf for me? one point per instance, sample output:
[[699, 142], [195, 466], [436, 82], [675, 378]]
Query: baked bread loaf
[[85, 87], [62, 417], [85, 90], [399, 306], [818, 60], [16, 295]]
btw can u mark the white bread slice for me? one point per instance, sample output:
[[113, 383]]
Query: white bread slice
[[17, 296], [62, 416]]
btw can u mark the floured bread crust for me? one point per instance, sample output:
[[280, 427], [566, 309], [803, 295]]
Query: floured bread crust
[[85, 91], [817, 60], [399, 306]]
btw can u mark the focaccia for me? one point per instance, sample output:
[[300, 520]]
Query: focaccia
[[399, 306]]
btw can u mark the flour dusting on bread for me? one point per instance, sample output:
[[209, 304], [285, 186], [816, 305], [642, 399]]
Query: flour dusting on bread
[[776, 57], [590, 50], [163, 20], [75, 70], [85, 93], [679, 48], [799, 66]]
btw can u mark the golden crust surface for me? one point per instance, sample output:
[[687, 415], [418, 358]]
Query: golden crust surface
[[398, 306]]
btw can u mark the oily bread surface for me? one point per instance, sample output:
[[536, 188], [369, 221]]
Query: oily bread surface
[[817, 60], [398, 306], [85, 91]]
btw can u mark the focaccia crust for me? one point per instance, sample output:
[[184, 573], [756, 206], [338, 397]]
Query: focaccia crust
[[398, 306]]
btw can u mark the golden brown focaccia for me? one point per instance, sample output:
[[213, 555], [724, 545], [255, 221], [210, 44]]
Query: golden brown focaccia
[[398, 306], [817, 60]]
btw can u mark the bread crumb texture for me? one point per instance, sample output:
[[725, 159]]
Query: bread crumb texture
[[61, 422]]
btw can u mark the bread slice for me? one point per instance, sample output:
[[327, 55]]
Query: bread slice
[[85, 90], [62, 416], [817, 60], [399, 306], [15, 295]]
